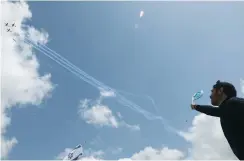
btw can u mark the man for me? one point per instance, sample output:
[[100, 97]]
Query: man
[[230, 110]]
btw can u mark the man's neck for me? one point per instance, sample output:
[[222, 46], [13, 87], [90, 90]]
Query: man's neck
[[222, 100]]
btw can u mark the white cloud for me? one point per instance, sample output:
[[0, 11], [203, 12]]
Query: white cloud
[[207, 139], [7, 145], [107, 93], [37, 36], [64, 153], [150, 153], [98, 114], [91, 158], [21, 82]]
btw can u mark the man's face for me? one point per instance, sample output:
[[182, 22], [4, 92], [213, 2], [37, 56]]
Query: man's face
[[215, 96]]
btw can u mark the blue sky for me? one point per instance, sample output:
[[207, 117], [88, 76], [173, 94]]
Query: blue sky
[[178, 49]]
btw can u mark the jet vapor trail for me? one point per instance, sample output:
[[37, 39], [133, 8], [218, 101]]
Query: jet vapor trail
[[95, 83], [142, 96]]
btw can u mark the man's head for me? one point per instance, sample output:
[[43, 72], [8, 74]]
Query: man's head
[[222, 91]]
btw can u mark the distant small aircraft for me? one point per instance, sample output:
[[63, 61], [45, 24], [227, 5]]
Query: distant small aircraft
[[8, 30], [6, 24], [13, 25]]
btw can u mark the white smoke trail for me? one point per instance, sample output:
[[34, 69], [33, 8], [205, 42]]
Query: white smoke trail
[[60, 62], [64, 60], [59, 59], [67, 67], [97, 84], [141, 96]]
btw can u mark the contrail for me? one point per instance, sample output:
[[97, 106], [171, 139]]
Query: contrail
[[63, 65], [142, 96], [95, 83], [72, 66]]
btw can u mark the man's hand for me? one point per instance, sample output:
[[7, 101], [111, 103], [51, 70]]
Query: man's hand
[[193, 107]]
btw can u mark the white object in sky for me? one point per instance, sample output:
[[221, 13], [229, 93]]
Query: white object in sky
[[141, 14]]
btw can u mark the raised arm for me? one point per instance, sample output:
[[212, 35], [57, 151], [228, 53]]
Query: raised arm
[[207, 109]]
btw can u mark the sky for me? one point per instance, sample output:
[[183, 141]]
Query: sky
[[157, 61]]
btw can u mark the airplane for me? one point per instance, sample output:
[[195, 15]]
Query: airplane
[[13, 25], [8, 30], [6, 24]]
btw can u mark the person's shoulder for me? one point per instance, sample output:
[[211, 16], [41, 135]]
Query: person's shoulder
[[236, 100]]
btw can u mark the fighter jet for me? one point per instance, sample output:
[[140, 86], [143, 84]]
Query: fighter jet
[[13, 25], [8, 30], [6, 24]]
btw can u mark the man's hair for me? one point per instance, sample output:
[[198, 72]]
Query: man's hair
[[228, 88]]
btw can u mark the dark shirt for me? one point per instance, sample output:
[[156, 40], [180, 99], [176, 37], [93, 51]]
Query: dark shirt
[[231, 114]]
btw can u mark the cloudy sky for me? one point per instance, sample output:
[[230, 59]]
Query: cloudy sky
[[155, 62]]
